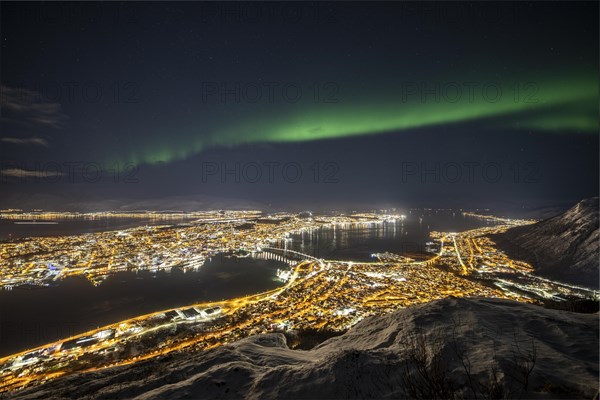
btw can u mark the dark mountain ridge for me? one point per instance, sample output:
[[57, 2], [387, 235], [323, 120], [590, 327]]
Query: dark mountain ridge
[[564, 247]]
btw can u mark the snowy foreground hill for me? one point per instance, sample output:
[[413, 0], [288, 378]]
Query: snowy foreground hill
[[456, 347]]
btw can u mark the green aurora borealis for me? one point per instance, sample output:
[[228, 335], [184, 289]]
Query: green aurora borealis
[[178, 101], [553, 106]]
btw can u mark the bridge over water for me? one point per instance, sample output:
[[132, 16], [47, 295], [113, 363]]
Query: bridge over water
[[292, 257], [284, 255]]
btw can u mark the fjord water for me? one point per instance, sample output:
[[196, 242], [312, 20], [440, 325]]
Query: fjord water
[[405, 237], [32, 317], [74, 226]]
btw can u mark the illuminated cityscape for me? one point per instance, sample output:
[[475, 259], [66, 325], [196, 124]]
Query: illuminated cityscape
[[318, 293], [299, 200]]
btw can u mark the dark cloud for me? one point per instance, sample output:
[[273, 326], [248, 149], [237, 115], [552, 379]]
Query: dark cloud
[[23, 173], [27, 107], [37, 141]]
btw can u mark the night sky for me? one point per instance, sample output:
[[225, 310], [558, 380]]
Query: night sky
[[298, 105]]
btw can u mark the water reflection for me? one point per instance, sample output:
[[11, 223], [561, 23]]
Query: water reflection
[[37, 316], [357, 242]]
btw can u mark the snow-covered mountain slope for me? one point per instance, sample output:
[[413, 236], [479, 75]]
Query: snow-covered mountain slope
[[446, 348], [564, 247]]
